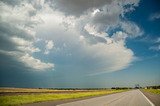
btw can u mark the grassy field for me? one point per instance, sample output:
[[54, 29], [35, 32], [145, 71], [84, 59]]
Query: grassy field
[[11, 100], [32, 90], [155, 91]]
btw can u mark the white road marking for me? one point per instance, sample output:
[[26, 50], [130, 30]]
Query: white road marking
[[147, 99]]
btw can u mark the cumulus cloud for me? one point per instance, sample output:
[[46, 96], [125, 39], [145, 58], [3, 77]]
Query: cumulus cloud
[[36, 63], [119, 36], [97, 21], [77, 7], [28, 60], [88, 46], [131, 29], [78, 30], [79, 54], [49, 46], [18, 20], [24, 45]]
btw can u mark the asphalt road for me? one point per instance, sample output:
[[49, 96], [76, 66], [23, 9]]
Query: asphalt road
[[155, 98], [129, 98]]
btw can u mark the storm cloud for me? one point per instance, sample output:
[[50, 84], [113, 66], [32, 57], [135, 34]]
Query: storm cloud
[[70, 37]]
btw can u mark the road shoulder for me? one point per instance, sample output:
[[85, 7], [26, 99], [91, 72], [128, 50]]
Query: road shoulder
[[154, 98]]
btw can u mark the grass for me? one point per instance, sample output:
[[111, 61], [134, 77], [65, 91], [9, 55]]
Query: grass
[[155, 91], [14, 100]]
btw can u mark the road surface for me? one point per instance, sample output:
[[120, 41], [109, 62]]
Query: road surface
[[129, 98], [155, 98]]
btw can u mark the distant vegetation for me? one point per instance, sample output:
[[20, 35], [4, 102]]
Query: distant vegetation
[[23, 96], [152, 89], [120, 88]]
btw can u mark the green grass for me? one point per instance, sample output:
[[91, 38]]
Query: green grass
[[31, 98], [155, 91]]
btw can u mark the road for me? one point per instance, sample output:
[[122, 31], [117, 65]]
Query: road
[[129, 98], [155, 98]]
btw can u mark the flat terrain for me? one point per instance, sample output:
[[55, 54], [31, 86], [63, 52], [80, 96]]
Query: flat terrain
[[129, 98], [23, 91], [19, 96], [51, 97]]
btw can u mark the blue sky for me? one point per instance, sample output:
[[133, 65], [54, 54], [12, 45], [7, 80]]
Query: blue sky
[[79, 44]]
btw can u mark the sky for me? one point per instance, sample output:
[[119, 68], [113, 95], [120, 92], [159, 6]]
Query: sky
[[79, 43]]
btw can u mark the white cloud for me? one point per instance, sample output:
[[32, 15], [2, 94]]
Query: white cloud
[[91, 30], [95, 12], [28, 60], [119, 36], [29, 49], [79, 7], [154, 16], [35, 63], [131, 29], [100, 57], [156, 48], [20, 41], [49, 46], [18, 21], [24, 45], [108, 17], [87, 37], [109, 58]]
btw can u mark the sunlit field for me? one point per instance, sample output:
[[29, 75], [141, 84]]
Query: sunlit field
[[155, 91], [23, 96]]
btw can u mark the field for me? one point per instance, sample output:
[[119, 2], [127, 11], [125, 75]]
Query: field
[[18, 96], [155, 91]]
